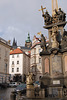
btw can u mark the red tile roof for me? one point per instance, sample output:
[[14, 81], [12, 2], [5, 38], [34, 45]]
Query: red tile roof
[[29, 52], [16, 51]]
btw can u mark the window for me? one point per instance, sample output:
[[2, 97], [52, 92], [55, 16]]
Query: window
[[17, 55], [17, 69], [17, 62], [12, 62], [12, 69], [12, 56], [39, 60]]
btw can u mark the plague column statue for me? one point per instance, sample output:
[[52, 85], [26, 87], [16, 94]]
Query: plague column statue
[[55, 44]]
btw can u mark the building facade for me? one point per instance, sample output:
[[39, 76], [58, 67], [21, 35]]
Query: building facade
[[19, 65], [35, 61], [4, 61]]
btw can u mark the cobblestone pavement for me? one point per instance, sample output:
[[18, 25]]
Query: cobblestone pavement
[[5, 93]]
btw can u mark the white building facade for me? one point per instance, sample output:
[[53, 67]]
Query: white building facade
[[4, 61], [35, 61], [19, 64]]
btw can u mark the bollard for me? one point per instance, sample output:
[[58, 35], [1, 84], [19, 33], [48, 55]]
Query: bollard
[[13, 96]]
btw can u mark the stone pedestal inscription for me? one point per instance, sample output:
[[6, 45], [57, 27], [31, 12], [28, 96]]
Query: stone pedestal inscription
[[56, 65], [65, 63], [46, 65], [56, 82]]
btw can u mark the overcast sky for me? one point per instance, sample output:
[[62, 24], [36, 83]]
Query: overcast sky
[[18, 17]]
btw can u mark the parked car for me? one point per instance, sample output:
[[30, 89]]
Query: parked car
[[21, 87], [36, 84], [13, 84]]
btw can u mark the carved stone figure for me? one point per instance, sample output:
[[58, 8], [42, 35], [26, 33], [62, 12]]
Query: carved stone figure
[[55, 17], [64, 39], [54, 36], [59, 16], [29, 78], [47, 18], [43, 42], [54, 33], [62, 15]]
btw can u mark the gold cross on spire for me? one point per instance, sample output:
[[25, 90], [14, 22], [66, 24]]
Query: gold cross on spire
[[42, 9]]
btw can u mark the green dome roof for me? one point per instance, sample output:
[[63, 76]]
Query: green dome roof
[[28, 38]]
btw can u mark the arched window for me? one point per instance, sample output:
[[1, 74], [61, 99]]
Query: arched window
[[46, 65]]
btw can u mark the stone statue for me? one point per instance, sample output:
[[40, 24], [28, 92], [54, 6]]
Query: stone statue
[[43, 42], [55, 17], [62, 15], [29, 78], [59, 16], [47, 18], [54, 33], [54, 36], [64, 40]]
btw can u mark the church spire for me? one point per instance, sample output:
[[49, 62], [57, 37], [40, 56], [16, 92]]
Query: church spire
[[13, 42], [54, 6], [14, 45]]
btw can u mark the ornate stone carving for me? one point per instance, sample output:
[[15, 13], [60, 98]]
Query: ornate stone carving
[[65, 92], [55, 44], [64, 40], [56, 65], [29, 78], [59, 16], [47, 18], [43, 42]]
